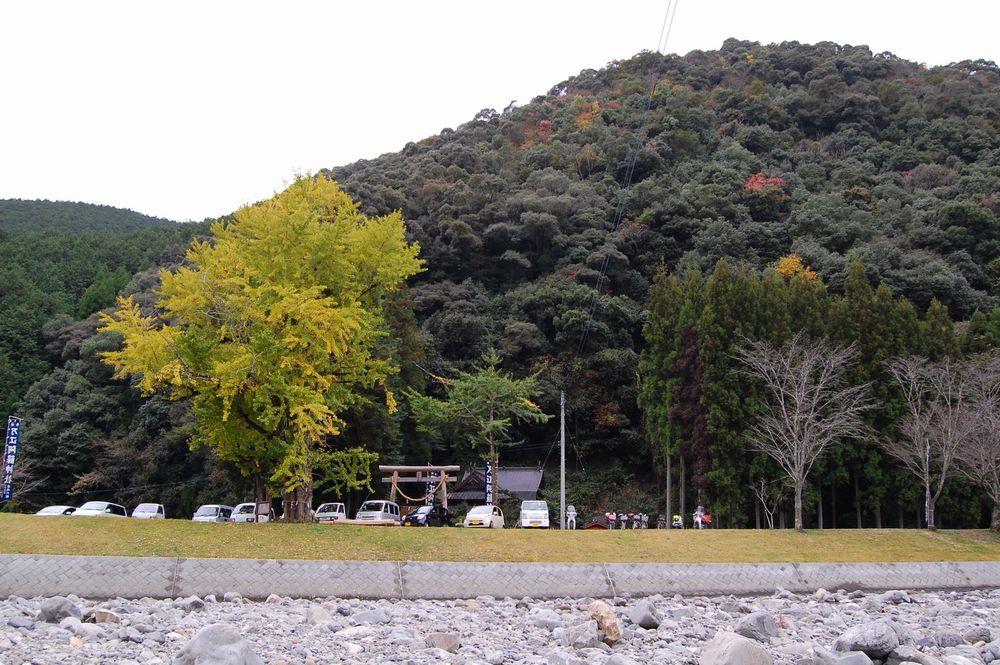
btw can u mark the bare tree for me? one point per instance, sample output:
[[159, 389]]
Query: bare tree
[[937, 421], [978, 456], [811, 405], [26, 482], [770, 494]]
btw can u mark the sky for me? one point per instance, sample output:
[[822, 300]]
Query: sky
[[187, 110]]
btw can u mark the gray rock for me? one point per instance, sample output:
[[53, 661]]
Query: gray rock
[[21, 622], [190, 604], [681, 612], [895, 597], [232, 597], [102, 615], [545, 618], [57, 608], [561, 658], [317, 614], [978, 634], [620, 659], [218, 644], [344, 609], [493, 657], [876, 639], [948, 638], [445, 641], [644, 614], [274, 598], [369, 617], [731, 649], [910, 654], [758, 626], [581, 636]]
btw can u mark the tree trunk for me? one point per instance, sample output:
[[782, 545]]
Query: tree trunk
[[781, 518], [901, 522], [928, 505], [670, 487], [798, 507], [819, 514], [878, 515], [683, 488], [260, 493], [995, 521], [756, 513], [298, 503]]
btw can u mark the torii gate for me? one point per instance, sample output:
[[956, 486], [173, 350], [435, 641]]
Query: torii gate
[[422, 474]]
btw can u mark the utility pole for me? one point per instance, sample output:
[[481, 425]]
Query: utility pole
[[562, 460]]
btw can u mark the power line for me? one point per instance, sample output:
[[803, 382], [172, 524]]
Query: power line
[[120, 489]]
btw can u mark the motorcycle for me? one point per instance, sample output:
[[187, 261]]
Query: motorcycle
[[677, 522], [611, 518], [661, 521], [622, 521], [702, 521], [644, 521]]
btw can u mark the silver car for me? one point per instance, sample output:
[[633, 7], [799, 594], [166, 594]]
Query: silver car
[[212, 512], [100, 509], [149, 511], [56, 510], [379, 510]]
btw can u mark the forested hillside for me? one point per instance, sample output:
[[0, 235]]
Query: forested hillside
[[71, 217], [743, 154], [64, 261]]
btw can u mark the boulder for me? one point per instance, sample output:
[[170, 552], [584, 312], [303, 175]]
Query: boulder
[[273, 598], [959, 660], [446, 641], [876, 639], [542, 618], [948, 638], [190, 604], [57, 608], [368, 617], [910, 654], [895, 597], [218, 644], [102, 615], [317, 614], [21, 622], [580, 636], [232, 597], [620, 659], [978, 634], [644, 614], [825, 657], [758, 626], [732, 649], [606, 620]]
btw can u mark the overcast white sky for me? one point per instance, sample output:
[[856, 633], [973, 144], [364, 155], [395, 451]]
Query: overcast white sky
[[187, 109]]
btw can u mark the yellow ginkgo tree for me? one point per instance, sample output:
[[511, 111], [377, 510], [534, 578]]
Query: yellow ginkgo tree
[[271, 328]]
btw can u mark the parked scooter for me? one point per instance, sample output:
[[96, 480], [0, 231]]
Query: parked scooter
[[622, 521], [677, 522], [661, 521]]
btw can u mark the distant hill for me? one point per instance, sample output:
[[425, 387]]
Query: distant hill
[[70, 217]]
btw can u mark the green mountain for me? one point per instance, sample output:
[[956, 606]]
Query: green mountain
[[745, 153], [72, 217]]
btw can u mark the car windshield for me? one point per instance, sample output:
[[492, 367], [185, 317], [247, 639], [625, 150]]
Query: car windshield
[[146, 508], [374, 506], [327, 508], [481, 510], [207, 511], [94, 505], [248, 508], [422, 510], [534, 505]]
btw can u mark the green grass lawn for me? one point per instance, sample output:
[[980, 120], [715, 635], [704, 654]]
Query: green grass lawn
[[27, 534]]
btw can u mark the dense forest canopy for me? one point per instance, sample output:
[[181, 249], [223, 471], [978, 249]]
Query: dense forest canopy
[[745, 154], [69, 217]]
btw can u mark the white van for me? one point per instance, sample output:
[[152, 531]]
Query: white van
[[212, 512], [534, 515], [331, 512], [149, 511], [379, 510], [246, 512]]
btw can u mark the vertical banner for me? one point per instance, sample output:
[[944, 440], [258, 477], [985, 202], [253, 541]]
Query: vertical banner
[[488, 483], [9, 456], [432, 484]]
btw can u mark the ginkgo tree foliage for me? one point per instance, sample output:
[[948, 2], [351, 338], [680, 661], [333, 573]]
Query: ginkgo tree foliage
[[271, 328]]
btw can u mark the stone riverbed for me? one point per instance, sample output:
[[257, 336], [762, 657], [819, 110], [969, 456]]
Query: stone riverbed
[[929, 628]]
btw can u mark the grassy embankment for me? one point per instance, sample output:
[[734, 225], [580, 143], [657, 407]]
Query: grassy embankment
[[26, 534]]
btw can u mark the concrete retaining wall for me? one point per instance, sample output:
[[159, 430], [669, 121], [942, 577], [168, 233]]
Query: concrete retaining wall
[[136, 577]]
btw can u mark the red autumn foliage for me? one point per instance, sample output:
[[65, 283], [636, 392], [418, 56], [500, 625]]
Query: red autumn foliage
[[760, 182]]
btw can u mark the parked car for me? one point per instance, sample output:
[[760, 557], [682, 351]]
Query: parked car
[[428, 516], [378, 510], [331, 512], [246, 512], [212, 512], [484, 517], [100, 509], [149, 511], [56, 510], [534, 515]]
